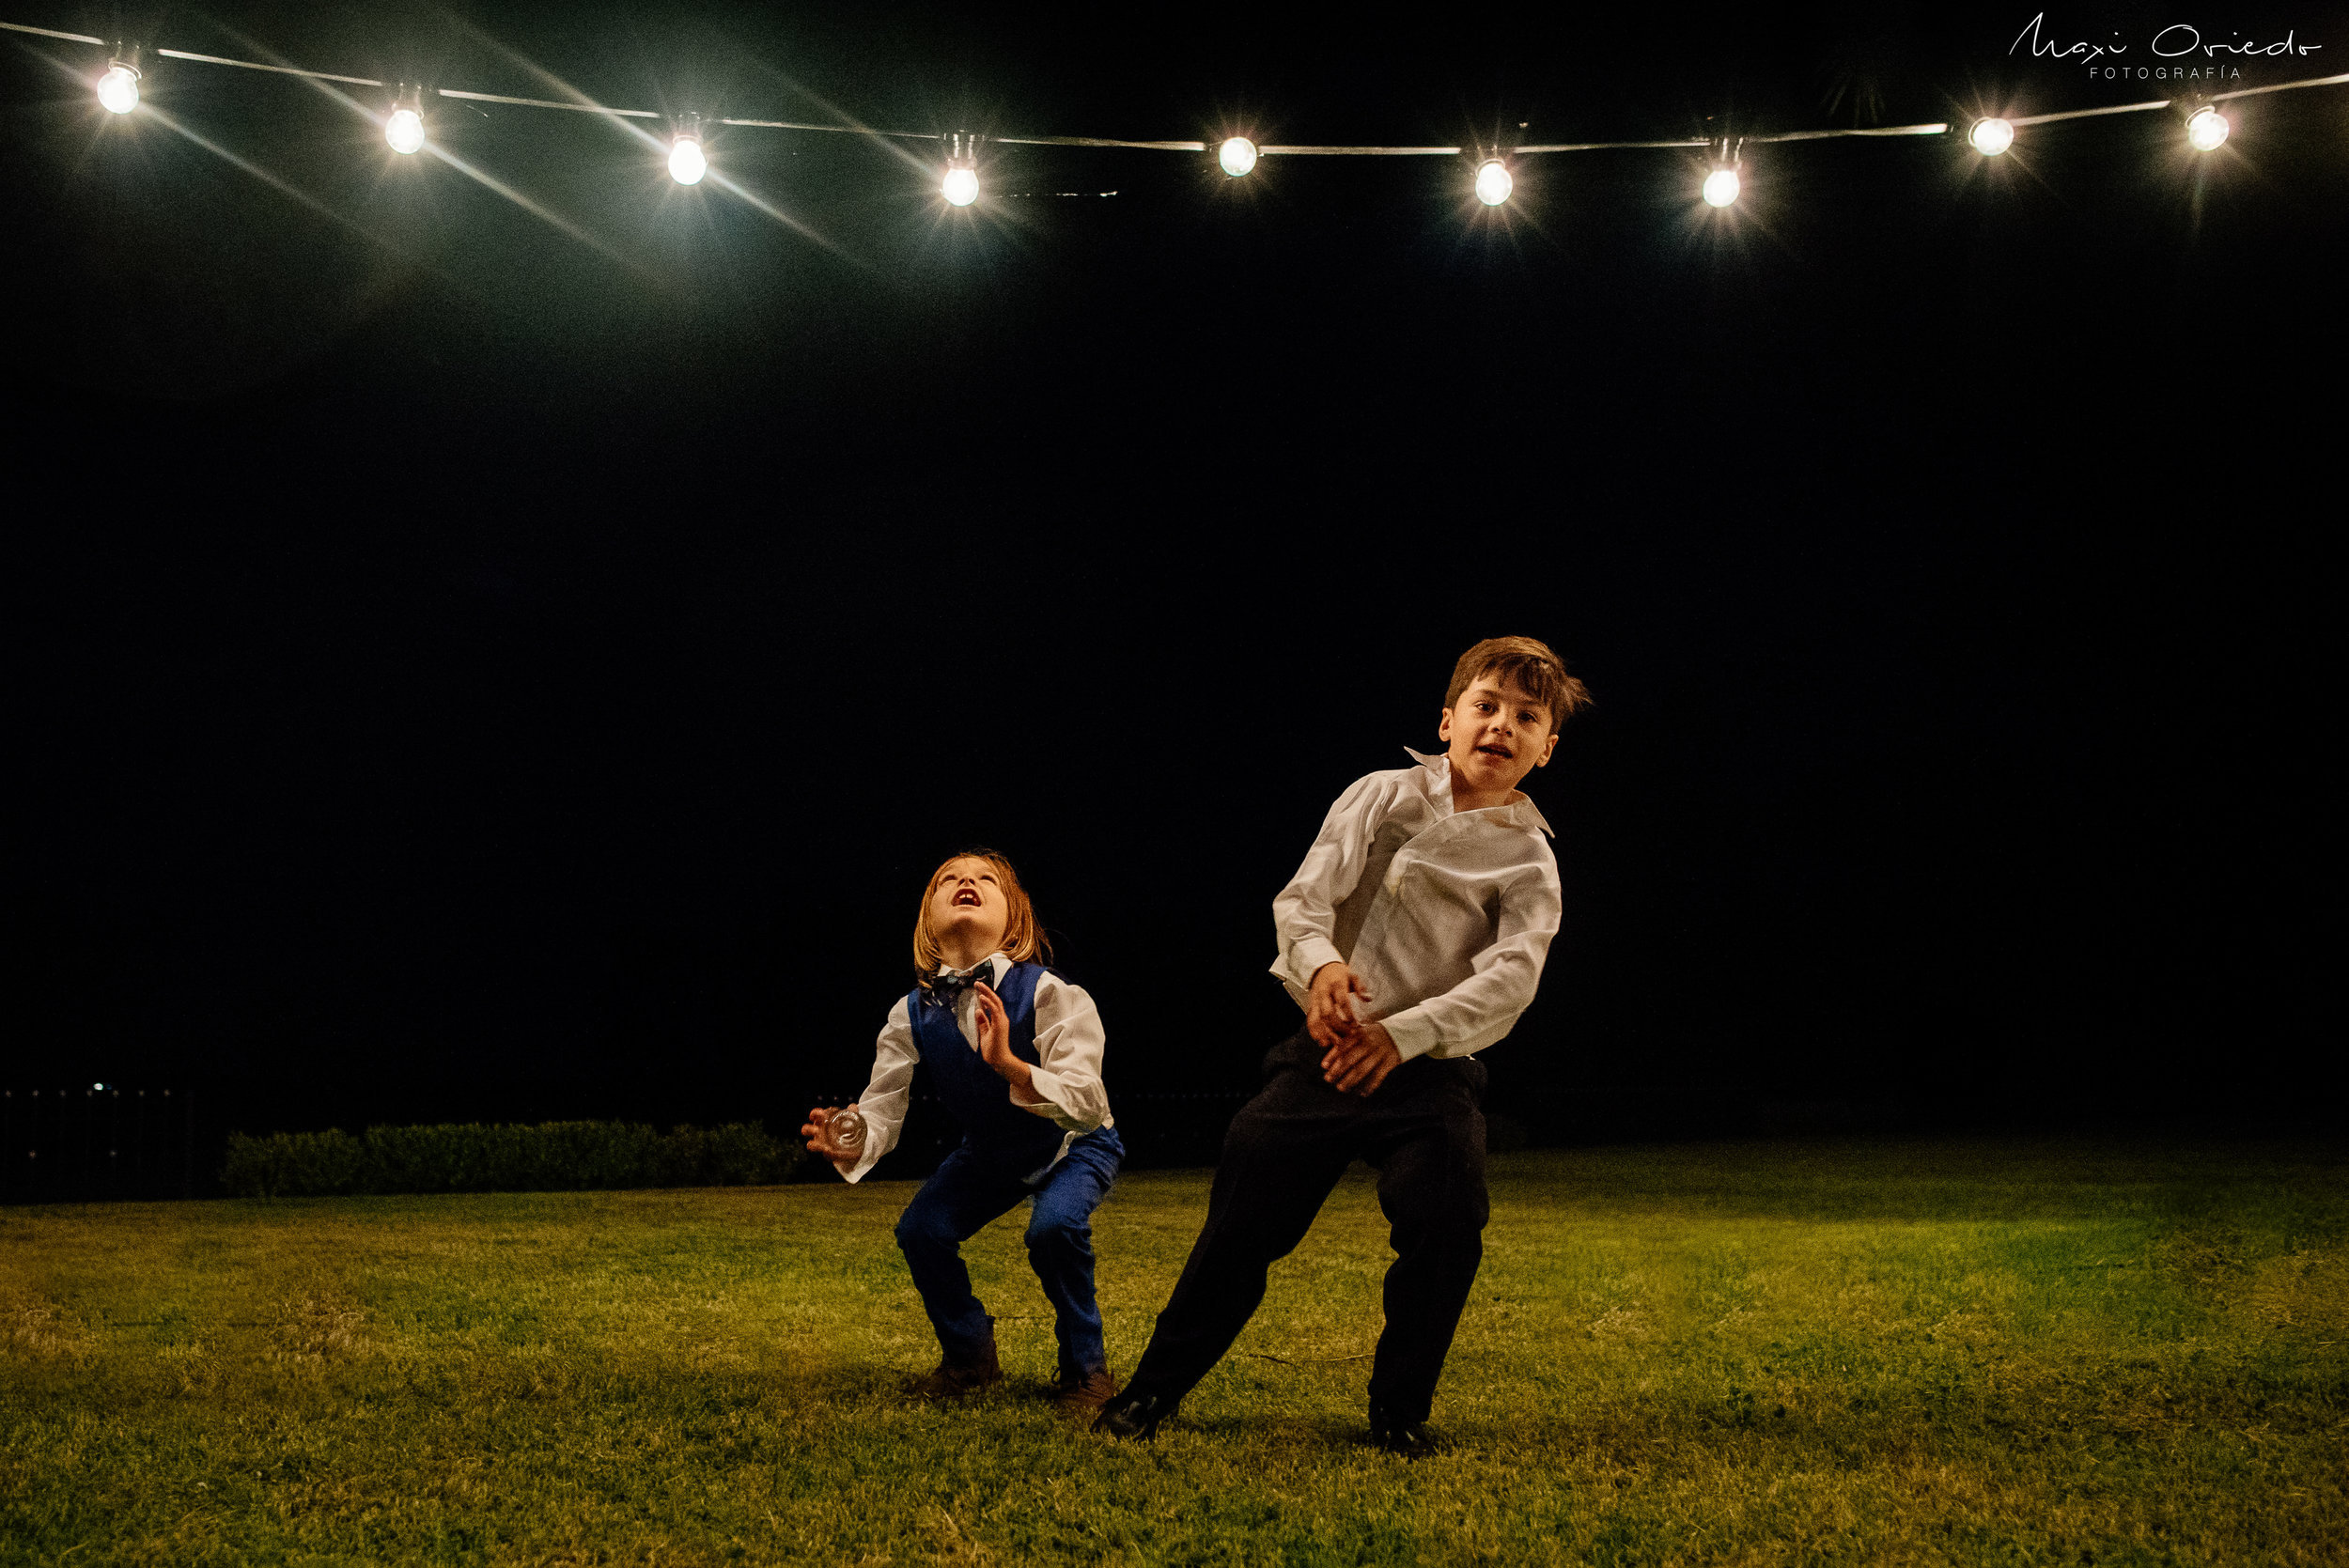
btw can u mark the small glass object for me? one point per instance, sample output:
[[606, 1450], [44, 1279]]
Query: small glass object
[[847, 1130]]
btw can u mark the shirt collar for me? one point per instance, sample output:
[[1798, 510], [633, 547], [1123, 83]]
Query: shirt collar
[[990, 968], [1519, 813]]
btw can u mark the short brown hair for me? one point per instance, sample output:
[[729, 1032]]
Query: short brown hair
[[1023, 938], [1527, 664]]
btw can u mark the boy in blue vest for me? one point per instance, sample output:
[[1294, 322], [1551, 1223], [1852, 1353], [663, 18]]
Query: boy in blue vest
[[1014, 1051], [1412, 937]]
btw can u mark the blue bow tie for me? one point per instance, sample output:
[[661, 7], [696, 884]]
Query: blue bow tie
[[946, 989]]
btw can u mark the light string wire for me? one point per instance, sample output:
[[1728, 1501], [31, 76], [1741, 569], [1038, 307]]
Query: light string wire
[[1934, 129]]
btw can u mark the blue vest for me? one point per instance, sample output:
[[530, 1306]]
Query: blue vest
[[998, 1133]]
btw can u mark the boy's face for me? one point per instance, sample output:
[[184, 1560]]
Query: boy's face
[[968, 902], [1497, 735]]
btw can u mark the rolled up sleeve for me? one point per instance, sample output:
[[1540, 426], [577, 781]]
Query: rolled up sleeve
[[883, 1102], [1070, 1041], [1305, 913], [1486, 1005]]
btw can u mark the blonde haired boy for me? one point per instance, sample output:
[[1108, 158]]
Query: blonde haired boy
[[1014, 1051]]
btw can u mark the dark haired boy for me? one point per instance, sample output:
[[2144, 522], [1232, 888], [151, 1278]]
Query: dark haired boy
[[1413, 936]]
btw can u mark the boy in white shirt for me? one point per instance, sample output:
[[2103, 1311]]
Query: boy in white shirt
[[1413, 936], [1015, 1052]]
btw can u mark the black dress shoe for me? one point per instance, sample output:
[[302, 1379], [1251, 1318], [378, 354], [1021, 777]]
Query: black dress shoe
[[1132, 1415], [1404, 1440]]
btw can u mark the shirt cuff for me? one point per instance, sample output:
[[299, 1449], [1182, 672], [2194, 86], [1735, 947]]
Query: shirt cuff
[[1310, 954], [1052, 1101], [874, 1149], [1413, 1033]]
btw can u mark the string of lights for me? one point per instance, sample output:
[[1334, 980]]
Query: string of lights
[[117, 87]]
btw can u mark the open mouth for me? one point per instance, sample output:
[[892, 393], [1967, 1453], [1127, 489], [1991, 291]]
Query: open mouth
[[1501, 751], [967, 899]]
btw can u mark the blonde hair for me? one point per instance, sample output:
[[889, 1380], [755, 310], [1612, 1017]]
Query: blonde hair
[[1023, 938], [1527, 664]]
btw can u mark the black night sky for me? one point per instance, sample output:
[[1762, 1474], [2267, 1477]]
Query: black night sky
[[472, 663]]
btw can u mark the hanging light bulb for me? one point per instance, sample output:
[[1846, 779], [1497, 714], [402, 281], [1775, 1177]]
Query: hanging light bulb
[[961, 185], [1991, 136], [1723, 184], [404, 126], [1493, 184], [2206, 130], [1237, 156], [118, 90], [688, 162]]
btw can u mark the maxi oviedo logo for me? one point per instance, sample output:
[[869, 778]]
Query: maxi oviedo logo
[[2179, 52]]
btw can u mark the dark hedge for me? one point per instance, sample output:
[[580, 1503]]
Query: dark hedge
[[551, 1156]]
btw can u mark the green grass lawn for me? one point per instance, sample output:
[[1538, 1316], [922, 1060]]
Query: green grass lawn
[[1967, 1352]]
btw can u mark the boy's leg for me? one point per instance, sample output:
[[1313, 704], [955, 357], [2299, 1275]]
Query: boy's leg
[[1060, 1249], [951, 1208], [1286, 1150], [1430, 1153]]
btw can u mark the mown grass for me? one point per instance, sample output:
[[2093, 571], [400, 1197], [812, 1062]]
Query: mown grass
[[1953, 1353]]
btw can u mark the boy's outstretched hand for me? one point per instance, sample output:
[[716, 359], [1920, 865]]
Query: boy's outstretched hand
[[1330, 1012], [818, 1135], [995, 1039], [1361, 1062]]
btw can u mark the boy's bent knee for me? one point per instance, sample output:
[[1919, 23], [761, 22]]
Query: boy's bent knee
[[1060, 1232], [1252, 1136], [918, 1230]]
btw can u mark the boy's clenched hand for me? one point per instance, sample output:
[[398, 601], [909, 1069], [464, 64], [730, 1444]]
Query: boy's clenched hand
[[1330, 1012], [819, 1140], [1361, 1062]]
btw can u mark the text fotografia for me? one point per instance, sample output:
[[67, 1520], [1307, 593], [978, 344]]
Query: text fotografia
[[2178, 53]]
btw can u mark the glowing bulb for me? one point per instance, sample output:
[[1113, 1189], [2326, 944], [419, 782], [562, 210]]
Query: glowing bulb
[[2206, 130], [404, 131], [1237, 156], [1493, 184], [1991, 136], [687, 164], [118, 90], [961, 186], [1721, 187]]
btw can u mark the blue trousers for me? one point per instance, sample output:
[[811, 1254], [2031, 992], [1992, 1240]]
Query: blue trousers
[[963, 1196]]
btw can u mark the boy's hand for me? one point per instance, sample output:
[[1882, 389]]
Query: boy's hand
[[1329, 1013], [1359, 1064], [818, 1135], [995, 1039]]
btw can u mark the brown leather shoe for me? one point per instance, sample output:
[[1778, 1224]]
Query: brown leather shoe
[[1083, 1397], [953, 1378]]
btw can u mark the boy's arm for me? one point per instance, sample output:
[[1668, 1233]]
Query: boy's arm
[[1486, 1005], [1305, 913], [1069, 1041], [883, 1102]]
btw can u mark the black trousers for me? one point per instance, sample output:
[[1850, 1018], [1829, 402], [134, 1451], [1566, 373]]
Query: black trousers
[[1424, 1131]]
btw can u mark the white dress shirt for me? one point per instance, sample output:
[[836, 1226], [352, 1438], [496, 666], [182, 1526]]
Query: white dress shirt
[[1066, 1089], [1445, 915]]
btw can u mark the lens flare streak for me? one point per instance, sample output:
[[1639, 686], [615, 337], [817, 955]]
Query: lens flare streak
[[551, 218], [754, 201], [319, 80], [172, 124]]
